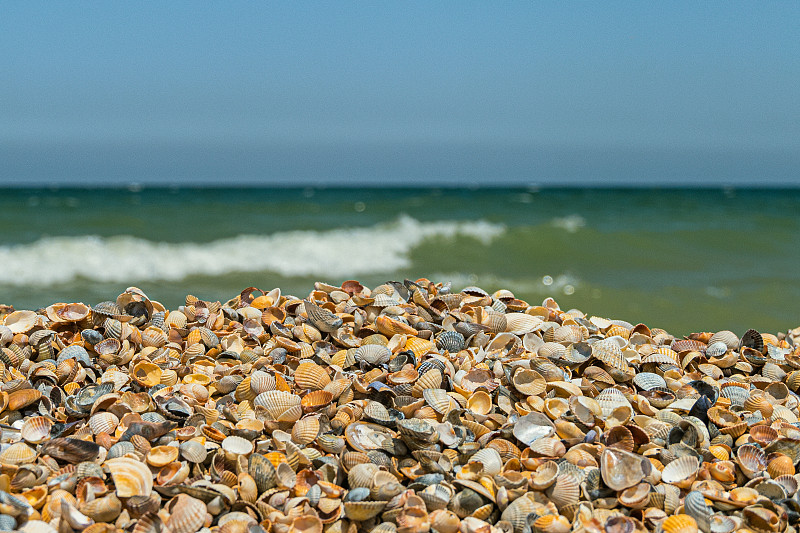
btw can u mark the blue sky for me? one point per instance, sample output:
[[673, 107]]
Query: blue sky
[[268, 92]]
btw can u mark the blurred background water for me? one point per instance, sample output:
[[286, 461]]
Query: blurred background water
[[682, 259]]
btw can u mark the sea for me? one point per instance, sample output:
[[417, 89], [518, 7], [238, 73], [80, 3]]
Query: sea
[[686, 260]]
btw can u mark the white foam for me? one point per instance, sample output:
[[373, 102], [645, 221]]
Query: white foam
[[570, 223], [341, 252]]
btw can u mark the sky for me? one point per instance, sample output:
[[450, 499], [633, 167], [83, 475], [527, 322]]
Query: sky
[[411, 92]]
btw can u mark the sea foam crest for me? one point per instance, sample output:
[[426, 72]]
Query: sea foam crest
[[340, 252]]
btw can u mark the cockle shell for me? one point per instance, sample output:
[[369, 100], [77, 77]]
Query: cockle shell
[[621, 470], [36, 429], [131, 478]]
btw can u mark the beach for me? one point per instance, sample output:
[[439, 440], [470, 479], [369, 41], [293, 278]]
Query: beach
[[406, 406]]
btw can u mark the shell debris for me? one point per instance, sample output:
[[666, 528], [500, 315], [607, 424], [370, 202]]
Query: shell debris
[[402, 408]]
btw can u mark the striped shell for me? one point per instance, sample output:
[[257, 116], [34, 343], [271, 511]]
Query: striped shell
[[680, 523], [311, 376], [187, 514], [36, 429], [18, 454], [131, 477], [610, 353], [373, 354], [681, 471], [283, 406]]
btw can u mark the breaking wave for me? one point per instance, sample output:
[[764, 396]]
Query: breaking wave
[[340, 252]]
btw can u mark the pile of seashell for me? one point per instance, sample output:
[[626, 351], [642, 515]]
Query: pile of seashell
[[406, 408]]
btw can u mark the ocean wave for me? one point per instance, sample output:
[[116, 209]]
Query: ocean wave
[[340, 252]]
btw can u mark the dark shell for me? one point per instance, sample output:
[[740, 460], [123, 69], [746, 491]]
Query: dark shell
[[73, 451]]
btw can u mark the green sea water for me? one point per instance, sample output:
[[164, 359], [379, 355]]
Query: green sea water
[[682, 259]]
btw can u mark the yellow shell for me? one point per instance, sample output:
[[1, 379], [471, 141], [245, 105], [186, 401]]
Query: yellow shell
[[680, 523], [305, 430], [146, 374], [18, 454], [311, 376], [23, 398], [161, 456]]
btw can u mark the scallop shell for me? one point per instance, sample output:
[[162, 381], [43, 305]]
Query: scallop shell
[[649, 380], [193, 451], [305, 430], [610, 353], [490, 459], [282, 406], [565, 491], [103, 422], [517, 513]]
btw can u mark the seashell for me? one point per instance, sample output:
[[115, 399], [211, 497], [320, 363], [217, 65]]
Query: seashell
[[544, 476], [262, 471], [193, 451], [648, 381], [439, 400], [282, 406], [18, 454], [609, 353], [315, 400], [36, 429], [751, 460], [373, 354], [131, 478], [621, 470], [103, 422], [187, 514], [517, 513], [479, 403], [680, 523], [529, 382], [23, 398], [565, 491], [490, 459], [681, 472], [311, 376]]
